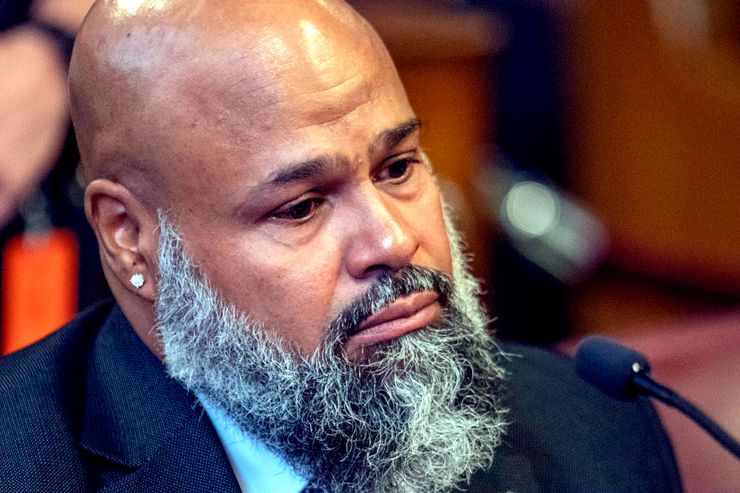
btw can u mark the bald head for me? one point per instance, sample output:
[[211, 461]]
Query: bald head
[[151, 78], [225, 114]]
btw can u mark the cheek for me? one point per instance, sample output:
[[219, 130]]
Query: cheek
[[289, 291], [434, 242]]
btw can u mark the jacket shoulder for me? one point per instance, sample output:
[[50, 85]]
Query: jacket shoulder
[[52, 358], [568, 436], [42, 389]]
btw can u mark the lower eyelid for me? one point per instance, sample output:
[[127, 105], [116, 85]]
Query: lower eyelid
[[282, 215], [411, 164]]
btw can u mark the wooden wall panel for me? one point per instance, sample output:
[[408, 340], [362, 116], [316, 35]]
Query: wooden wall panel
[[655, 142]]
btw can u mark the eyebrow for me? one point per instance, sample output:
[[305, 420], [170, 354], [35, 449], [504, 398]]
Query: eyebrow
[[306, 170], [302, 171], [392, 137]]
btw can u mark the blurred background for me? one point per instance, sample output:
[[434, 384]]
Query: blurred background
[[591, 150]]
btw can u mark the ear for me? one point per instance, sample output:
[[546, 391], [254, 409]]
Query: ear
[[126, 233]]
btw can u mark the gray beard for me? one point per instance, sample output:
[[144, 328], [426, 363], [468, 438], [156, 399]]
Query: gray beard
[[419, 413]]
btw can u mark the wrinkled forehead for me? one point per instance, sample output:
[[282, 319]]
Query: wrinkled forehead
[[253, 38], [251, 65], [159, 84]]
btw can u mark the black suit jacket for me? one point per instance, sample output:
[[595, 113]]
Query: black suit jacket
[[91, 409]]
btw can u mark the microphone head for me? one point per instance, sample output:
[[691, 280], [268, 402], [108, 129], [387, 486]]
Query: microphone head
[[609, 366]]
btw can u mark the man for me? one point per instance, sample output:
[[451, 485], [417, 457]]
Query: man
[[292, 305]]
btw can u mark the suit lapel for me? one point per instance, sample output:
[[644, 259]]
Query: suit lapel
[[142, 429]]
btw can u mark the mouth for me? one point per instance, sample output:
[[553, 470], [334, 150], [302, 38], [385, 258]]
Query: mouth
[[406, 314]]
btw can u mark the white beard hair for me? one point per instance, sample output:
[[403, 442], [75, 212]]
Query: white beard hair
[[422, 415]]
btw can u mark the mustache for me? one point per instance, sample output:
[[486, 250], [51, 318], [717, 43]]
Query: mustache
[[387, 288]]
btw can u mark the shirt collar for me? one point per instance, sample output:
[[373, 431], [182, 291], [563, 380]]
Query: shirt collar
[[257, 469]]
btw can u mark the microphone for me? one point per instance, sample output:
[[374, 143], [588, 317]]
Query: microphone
[[622, 373]]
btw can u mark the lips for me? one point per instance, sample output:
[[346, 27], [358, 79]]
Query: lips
[[404, 315]]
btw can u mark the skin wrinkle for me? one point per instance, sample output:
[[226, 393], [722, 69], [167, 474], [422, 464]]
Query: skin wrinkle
[[329, 119], [335, 86], [321, 164], [228, 93], [283, 63]]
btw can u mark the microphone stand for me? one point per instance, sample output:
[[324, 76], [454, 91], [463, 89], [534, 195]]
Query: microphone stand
[[642, 380]]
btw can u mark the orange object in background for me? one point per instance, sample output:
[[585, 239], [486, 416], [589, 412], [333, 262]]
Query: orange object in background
[[39, 286]]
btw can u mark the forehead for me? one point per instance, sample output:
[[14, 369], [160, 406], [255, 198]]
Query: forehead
[[302, 94], [307, 74]]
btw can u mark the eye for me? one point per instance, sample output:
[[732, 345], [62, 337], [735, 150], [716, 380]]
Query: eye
[[299, 211], [398, 171]]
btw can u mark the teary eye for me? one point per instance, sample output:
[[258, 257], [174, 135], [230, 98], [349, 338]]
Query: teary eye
[[298, 211], [397, 171]]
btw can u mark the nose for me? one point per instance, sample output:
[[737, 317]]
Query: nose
[[382, 239]]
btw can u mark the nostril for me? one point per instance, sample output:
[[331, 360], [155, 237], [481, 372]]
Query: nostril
[[378, 269]]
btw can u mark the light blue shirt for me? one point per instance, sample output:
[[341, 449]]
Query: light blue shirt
[[256, 469]]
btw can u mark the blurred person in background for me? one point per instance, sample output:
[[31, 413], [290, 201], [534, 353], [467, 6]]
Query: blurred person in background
[[35, 45], [45, 241]]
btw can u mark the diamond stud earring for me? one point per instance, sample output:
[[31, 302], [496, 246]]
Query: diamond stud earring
[[137, 280]]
